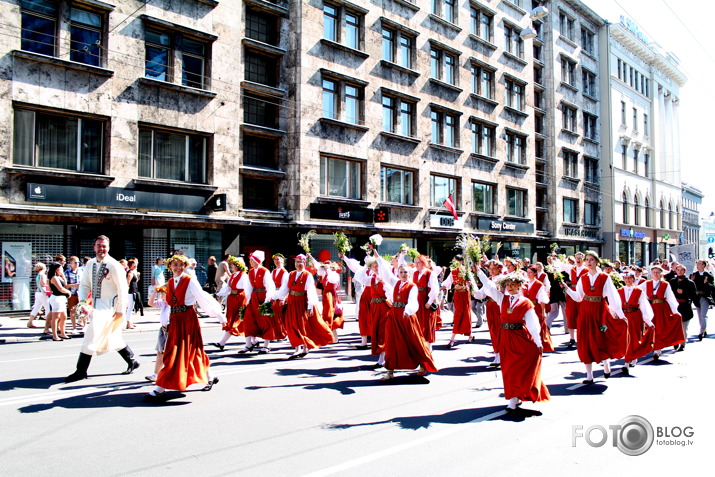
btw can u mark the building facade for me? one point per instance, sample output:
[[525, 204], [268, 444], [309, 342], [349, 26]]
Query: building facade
[[691, 202], [640, 86]]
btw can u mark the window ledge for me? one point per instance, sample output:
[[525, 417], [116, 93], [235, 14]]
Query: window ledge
[[569, 132], [69, 176], [573, 180], [164, 184], [566, 40], [539, 87], [590, 55], [177, 87], [441, 210], [516, 111], [342, 200], [592, 141], [398, 205], [539, 62], [262, 171], [161, 23], [515, 7], [263, 214], [484, 99], [400, 137], [345, 48], [446, 85], [516, 165], [263, 89], [484, 158], [395, 66], [408, 4], [516, 218], [519, 60], [445, 148], [539, 109], [569, 86], [444, 22], [484, 215], [262, 47], [73, 65], [344, 124], [96, 4], [268, 7], [263, 130], [482, 41]]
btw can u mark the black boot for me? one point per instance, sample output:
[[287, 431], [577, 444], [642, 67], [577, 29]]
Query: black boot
[[128, 355], [81, 371]]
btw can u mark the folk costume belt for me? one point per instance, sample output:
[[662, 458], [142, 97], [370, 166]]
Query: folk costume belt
[[512, 326], [422, 289], [682, 300], [630, 309], [593, 298], [702, 293], [297, 293], [181, 308], [462, 290], [657, 301], [235, 292], [378, 300], [398, 305], [259, 290]]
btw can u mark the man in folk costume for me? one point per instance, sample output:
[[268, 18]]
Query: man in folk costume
[[602, 328], [105, 282], [535, 291], [461, 298], [185, 362], [640, 320], [363, 277], [667, 320], [575, 271], [427, 293], [260, 290], [520, 346], [405, 345], [686, 293], [704, 283], [234, 290], [306, 329], [329, 278], [280, 278]]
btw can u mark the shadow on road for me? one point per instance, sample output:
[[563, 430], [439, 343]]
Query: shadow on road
[[31, 383], [346, 387], [103, 399]]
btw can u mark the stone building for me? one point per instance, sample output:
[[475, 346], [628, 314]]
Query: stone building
[[640, 85], [691, 201]]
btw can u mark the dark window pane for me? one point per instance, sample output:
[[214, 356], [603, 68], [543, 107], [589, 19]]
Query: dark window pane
[[192, 73], [47, 7], [197, 159], [260, 27], [145, 152], [38, 34], [157, 63], [259, 152], [169, 155], [85, 46], [91, 146], [258, 194]]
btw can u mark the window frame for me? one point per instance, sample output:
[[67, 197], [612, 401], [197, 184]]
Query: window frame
[[590, 209], [407, 197], [483, 133], [569, 118], [571, 218], [349, 95], [188, 168], [443, 133], [480, 75], [513, 43], [518, 193], [567, 26], [477, 24], [399, 113], [396, 45], [452, 186], [350, 182], [342, 26], [516, 145], [570, 159], [514, 90], [488, 196]]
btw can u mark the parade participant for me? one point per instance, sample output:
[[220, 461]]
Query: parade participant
[[669, 270], [686, 294], [557, 298], [510, 266], [427, 291], [363, 276], [704, 284], [666, 319], [602, 336], [639, 314], [105, 282], [306, 329], [493, 312], [235, 292], [380, 291], [211, 268], [405, 345], [535, 291], [41, 297], [260, 290], [638, 271], [58, 302], [185, 362], [157, 299], [461, 298], [575, 272], [280, 279], [439, 272], [330, 296], [397, 260], [520, 345]]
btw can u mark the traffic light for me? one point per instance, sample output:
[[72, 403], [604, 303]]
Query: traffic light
[[710, 252]]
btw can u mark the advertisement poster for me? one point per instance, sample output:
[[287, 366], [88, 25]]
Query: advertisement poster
[[187, 249], [16, 260]]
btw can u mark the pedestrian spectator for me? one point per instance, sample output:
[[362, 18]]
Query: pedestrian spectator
[[41, 297], [58, 302], [74, 276], [686, 293], [210, 286], [157, 273], [705, 285], [133, 288]]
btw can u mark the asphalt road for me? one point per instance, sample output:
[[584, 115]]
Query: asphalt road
[[328, 414]]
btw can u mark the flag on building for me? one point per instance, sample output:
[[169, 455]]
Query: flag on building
[[449, 203]]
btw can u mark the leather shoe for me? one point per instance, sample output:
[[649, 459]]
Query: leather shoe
[[156, 397], [219, 346], [263, 351], [450, 345], [494, 365], [377, 366], [606, 375], [571, 344], [362, 347], [130, 369], [625, 370], [587, 381], [210, 384]]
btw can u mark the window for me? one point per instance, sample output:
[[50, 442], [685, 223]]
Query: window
[[39, 26], [172, 155], [342, 25], [636, 211], [515, 148], [538, 75], [646, 165], [482, 139], [648, 221], [539, 149], [619, 68], [635, 161], [624, 211], [671, 216], [623, 113], [645, 124], [396, 185], [58, 141], [587, 41], [260, 111], [570, 163], [259, 151], [566, 26], [568, 116], [663, 223], [397, 47], [444, 128], [481, 24], [446, 9], [340, 178], [512, 41], [483, 197], [258, 194], [482, 81], [443, 65], [571, 210], [398, 115], [589, 126], [86, 37], [624, 157], [590, 170], [589, 83], [514, 94], [635, 119], [163, 48], [442, 187], [342, 100], [261, 27], [568, 71], [590, 213], [260, 68], [516, 202]]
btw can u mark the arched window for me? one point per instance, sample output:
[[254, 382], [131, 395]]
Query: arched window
[[647, 213], [662, 214], [625, 207], [636, 211], [671, 216]]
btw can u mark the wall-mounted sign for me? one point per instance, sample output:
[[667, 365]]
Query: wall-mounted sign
[[630, 233], [437, 221], [633, 28], [505, 226], [342, 212], [382, 215], [578, 232]]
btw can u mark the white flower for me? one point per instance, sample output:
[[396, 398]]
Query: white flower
[[376, 239]]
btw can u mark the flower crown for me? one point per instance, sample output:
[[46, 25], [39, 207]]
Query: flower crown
[[181, 258], [237, 262]]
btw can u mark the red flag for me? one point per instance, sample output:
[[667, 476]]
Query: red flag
[[450, 206]]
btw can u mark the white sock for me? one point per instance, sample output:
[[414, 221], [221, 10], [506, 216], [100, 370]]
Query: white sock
[[633, 363], [512, 403], [589, 371], [496, 358], [606, 366], [225, 338], [364, 341], [430, 347], [381, 359], [157, 390]]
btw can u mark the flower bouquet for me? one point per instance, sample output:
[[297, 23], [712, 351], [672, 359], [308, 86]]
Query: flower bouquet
[[304, 240], [342, 243], [265, 309], [83, 311], [161, 289], [617, 280], [241, 311], [373, 242], [409, 251]]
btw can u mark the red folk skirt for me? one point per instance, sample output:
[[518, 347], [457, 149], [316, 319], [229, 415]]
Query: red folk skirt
[[494, 323], [668, 327], [364, 312], [427, 318], [185, 361], [405, 345], [462, 322], [641, 336], [378, 312], [278, 319], [545, 334], [310, 331], [234, 324], [595, 345], [521, 367]]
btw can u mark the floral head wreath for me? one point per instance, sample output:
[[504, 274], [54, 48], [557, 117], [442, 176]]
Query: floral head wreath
[[502, 280], [237, 262], [279, 255], [181, 258]]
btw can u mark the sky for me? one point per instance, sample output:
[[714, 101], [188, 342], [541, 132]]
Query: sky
[[680, 27]]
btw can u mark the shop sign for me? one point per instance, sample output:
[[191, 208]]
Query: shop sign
[[578, 232], [437, 221], [342, 212], [505, 226], [630, 233], [114, 197]]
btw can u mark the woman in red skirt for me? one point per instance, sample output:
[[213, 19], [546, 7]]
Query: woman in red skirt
[[493, 312], [235, 291], [639, 313], [185, 362], [535, 291], [461, 298], [280, 278], [332, 312], [666, 319], [427, 292], [363, 276], [601, 334]]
